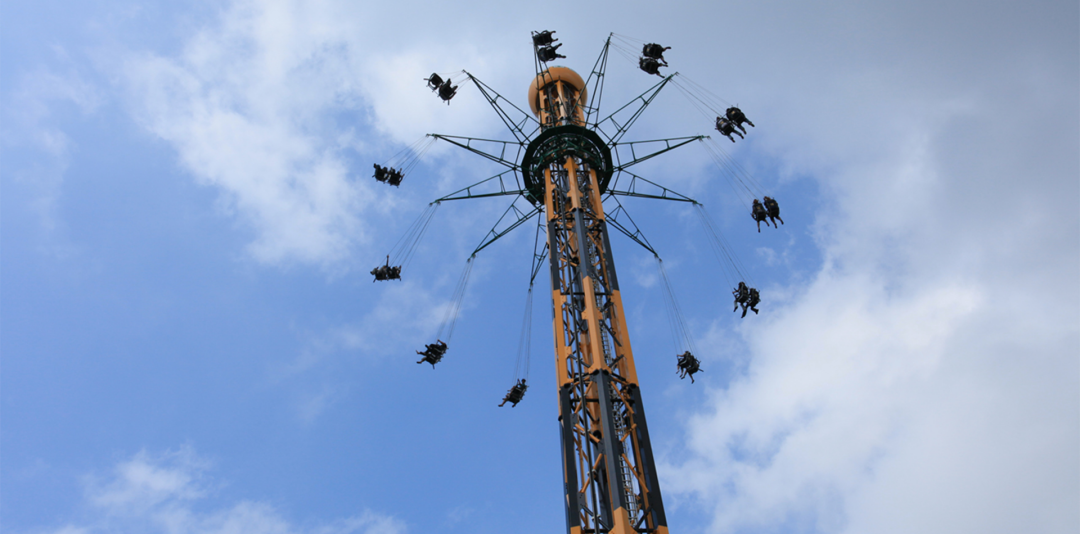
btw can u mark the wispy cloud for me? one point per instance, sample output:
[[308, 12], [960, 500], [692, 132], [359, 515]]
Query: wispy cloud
[[271, 102], [173, 492], [925, 379], [31, 125]]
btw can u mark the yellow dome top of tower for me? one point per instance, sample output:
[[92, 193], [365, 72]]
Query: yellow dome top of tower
[[554, 74]]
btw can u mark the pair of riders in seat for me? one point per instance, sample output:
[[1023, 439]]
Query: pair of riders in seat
[[652, 58], [386, 272], [433, 353], [770, 209], [545, 49], [688, 365], [748, 297], [734, 118], [388, 175], [444, 88]]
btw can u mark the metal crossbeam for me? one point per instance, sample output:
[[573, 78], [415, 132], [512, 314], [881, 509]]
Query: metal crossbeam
[[539, 252], [517, 127], [632, 189], [467, 145], [494, 234], [620, 129], [496, 187], [598, 71], [668, 146], [613, 218]]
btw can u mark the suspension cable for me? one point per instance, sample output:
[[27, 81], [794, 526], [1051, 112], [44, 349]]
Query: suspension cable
[[736, 169], [402, 251], [739, 186], [704, 107], [704, 93], [524, 351], [675, 316], [732, 266], [407, 158], [452, 312]]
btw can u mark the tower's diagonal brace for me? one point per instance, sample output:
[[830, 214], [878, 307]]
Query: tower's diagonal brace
[[495, 233], [539, 252], [517, 127], [598, 71], [496, 187], [467, 145], [632, 189], [669, 145], [620, 129], [620, 219]]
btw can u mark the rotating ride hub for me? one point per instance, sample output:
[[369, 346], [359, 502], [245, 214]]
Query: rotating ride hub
[[558, 96], [553, 146]]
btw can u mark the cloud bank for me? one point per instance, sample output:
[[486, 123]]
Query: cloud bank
[[272, 103], [926, 379], [173, 492]]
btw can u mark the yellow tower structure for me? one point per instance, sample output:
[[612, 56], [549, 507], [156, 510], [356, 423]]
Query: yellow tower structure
[[608, 468]]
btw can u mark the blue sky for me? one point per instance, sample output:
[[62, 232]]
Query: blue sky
[[191, 341]]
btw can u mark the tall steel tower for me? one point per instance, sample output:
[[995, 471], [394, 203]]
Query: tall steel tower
[[608, 468], [568, 162]]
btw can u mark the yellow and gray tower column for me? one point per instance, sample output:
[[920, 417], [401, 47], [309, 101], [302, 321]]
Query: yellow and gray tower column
[[609, 471]]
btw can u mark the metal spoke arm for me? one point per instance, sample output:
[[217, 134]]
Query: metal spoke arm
[[495, 186], [657, 191], [519, 217], [517, 127], [467, 142], [669, 145], [620, 129], [619, 218], [540, 249], [598, 71]]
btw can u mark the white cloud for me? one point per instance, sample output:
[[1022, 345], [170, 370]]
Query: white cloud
[[250, 119], [926, 380], [264, 104], [172, 493], [144, 482], [31, 114]]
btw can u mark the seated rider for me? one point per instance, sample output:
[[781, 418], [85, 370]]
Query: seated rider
[[439, 347], [752, 302], [773, 209], [543, 38], [386, 272], [447, 91], [380, 173], [433, 353], [429, 358], [650, 65], [688, 365], [758, 213], [737, 118], [394, 176], [742, 293], [434, 81], [655, 51], [515, 394], [382, 272], [549, 53], [725, 127]]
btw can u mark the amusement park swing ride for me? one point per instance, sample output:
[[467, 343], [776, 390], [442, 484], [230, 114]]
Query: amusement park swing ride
[[566, 161]]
